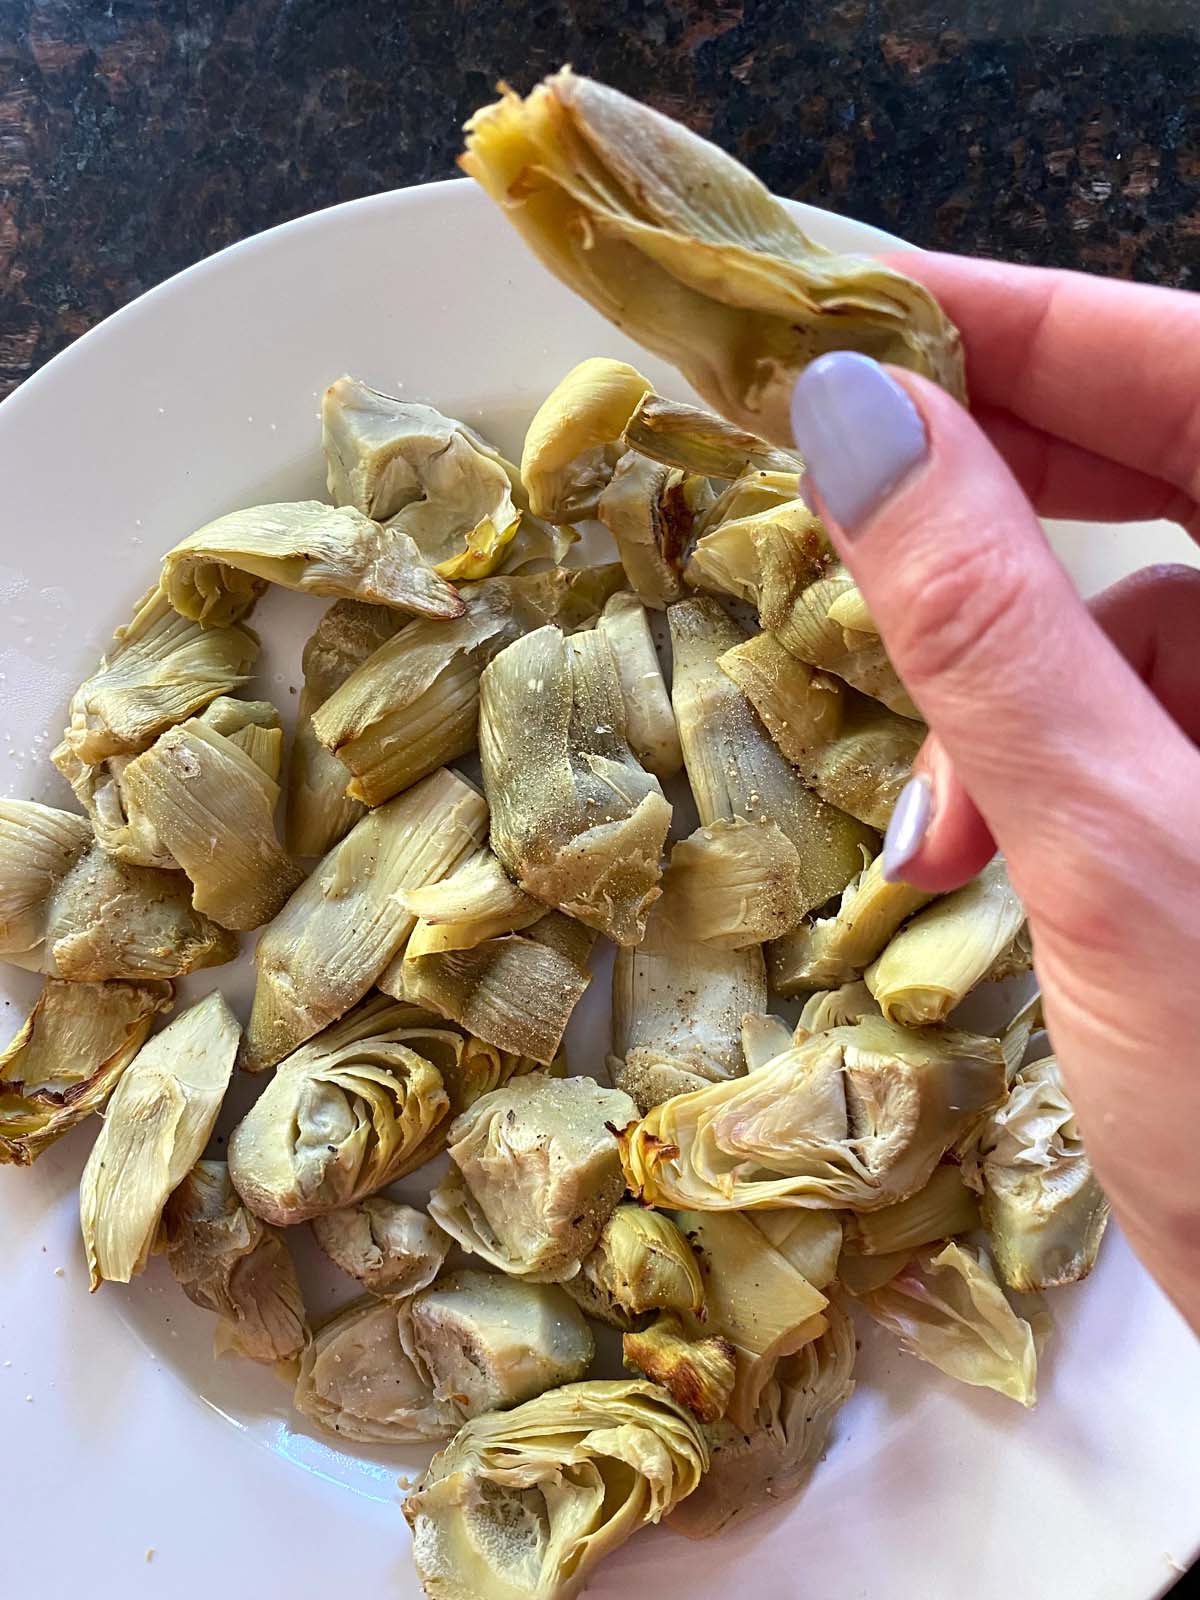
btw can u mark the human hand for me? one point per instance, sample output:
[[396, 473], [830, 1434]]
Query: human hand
[[1064, 735]]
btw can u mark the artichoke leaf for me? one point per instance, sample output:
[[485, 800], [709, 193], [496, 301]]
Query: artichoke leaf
[[39, 846], [830, 952], [944, 1208], [571, 445], [735, 883], [391, 1249], [765, 536], [696, 441], [478, 902], [697, 1373], [836, 1008], [649, 719], [810, 1241], [641, 1262], [651, 510]]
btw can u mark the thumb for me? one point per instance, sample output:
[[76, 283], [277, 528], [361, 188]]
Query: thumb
[[1047, 728]]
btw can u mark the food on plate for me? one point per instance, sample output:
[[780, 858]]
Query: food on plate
[[478, 901], [699, 442], [649, 720], [698, 1372], [651, 511], [392, 1249], [831, 952], [943, 1209], [641, 1262], [572, 442], [810, 1241]]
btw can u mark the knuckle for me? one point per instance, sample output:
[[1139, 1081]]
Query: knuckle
[[952, 613]]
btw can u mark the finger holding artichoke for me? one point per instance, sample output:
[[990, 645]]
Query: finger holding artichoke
[[391, 1249], [523, 1504]]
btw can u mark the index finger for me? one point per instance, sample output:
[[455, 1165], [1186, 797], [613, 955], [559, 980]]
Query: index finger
[[1111, 367]]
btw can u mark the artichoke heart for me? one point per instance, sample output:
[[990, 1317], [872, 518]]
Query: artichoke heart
[[346, 922], [694, 440], [576, 818], [357, 1381], [155, 1128], [698, 1373], [490, 1342], [534, 1175], [831, 952], [571, 444], [522, 1504], [649, 720], [346, 1114], [229, 1262], [759, 529], [856, 1117], [160, 669], [516, 992], [212, 807], [854, 752], [414, 704], [1042, 1206], [68, 1056], [810, 1241], [479, 901], [752, 1469], [946, 1308], [392, 1249], [641, 1262], [39, 845], [944, 1208], [319, 812], [682, 248], [677, 1009], [650, 510], [735, 769], [836, 1008], [735, 883], [216, 574], [935, 960]]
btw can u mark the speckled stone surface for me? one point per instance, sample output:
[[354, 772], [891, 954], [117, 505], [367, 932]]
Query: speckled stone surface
[[137, 136]]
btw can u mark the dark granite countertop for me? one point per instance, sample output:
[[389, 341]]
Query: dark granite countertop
[[137, 136]]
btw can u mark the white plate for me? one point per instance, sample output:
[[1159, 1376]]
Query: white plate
[[120, 1433]]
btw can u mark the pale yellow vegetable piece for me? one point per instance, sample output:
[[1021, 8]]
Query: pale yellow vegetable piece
[[534, 1175], [479, 901], [735, 769], [67, 1057], [641, 1262], [319, 812], [856, 1117], [516, 992], [651, 510], [752, 1470], [681, 247], [935, 960], [229, 1262], [831, 951], [357, 1381], [576, 819], [854, 752], [571, 445], [216, 574], [649, 720], [342, 927], [810, 1241], [39, 845], [735, 884], [490, 1342], [392, 1249], [697, 1372], [523, 1504], [754, 1298], [759, 531], [836, 1008], [944, 1208], [155, 1128], [946, 1308], [414, 703], [754, 492], [860, 1275], [764, 1036], [697, 441]]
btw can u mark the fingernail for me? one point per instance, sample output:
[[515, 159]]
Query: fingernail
[[858, 431], [907, 826]]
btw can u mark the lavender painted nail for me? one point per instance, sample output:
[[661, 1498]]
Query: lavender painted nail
[[858, 431], [907, 826]]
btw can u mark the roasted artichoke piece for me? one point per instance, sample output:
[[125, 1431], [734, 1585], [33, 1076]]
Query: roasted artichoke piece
[[641, 1262], [650, 510], [346, 1114], [760, 529], [392, 1249], [677, 1008], [1042, 1207], [68, 1056], [490, 1342], [836, 1008], [414, 703], [649, 720], [229, 1262], [698, 1373], [946, 1308], [576, 819], [937, 959], [534, 1175], [750, 1470], [682, 248], [479, 901], [829, 952], [39, 845], [735, 769], [754, 492], [155, 1129], [571, 445], [319, 812], [855, 753], [213, 808], [810, 1241], [694, 440], [216, 574], [735, 884], [944, 1208], [358, 1381], [764, 1036], [855, 1117], [342, 927], [860, 1275], [523, 1504], [516, 992], [160, 669]]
